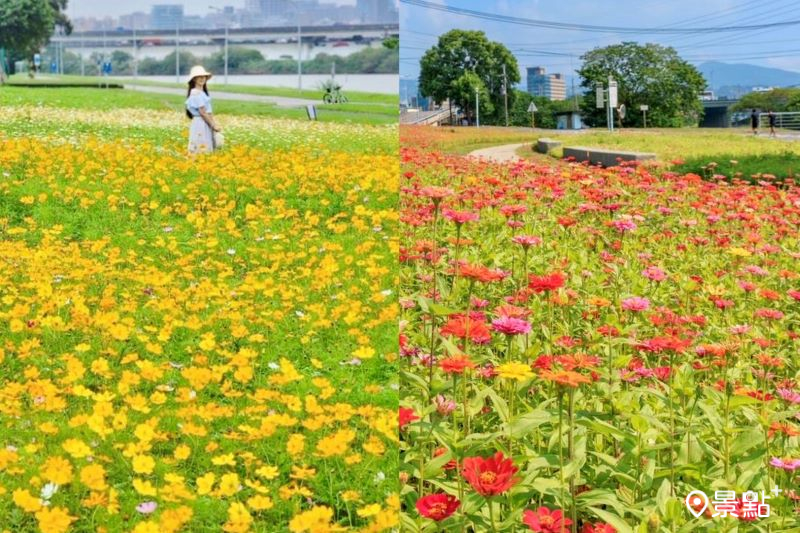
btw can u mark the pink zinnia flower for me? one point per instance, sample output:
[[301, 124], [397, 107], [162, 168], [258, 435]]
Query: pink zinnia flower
[[511, 326], [526, 241], [789, 395], [635, 303], [443, 405], [623, 225], [795, 295], [459, 217], [787, 464], [654, 273]]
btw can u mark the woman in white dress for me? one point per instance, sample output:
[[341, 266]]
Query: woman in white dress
[[198, 108]]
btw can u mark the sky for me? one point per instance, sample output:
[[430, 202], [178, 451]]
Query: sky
[[777, 47], [102, 8]]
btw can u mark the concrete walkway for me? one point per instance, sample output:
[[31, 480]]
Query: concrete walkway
[[280, 101], [501, 154]]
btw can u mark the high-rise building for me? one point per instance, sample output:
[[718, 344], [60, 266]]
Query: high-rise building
[[377, 11], [166, 16], [551, 86]]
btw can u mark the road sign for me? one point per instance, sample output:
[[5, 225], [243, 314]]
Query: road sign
[[621, 111], [532, 108], [601, 102], [37, 59], [644, 107], [612, 93]]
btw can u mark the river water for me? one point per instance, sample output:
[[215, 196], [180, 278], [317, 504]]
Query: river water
[[371, 83]]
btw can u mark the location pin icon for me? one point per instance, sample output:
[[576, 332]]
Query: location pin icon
[[694, 500]]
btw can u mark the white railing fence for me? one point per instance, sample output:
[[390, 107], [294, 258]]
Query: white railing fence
[[785, 120]]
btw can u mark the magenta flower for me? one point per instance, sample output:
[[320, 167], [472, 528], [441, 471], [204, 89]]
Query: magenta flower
[[443, 405], [787, 464], [789, 395], [623, 225], [459, 217], [635, 303], [654, 273], [526, 241], [511, 326]]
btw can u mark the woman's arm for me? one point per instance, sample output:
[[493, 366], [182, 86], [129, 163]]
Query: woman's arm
[[209, 119]]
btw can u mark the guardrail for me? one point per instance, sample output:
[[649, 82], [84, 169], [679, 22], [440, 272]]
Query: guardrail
[[789, 120]]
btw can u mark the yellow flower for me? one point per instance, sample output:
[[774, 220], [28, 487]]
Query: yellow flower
[[239, 519], [54, 520], [94, 477], [514, 370], [369, 510], [374, 446], [229, 485], [364, 352], [56, 470], [146, 527], [205, 483], [317, 520], [336, 444], [144, 487], [182, 452], [268, 472], [221, 460], [76, 448], [260, 503], [143, 464], [295, 444], [26, 501]]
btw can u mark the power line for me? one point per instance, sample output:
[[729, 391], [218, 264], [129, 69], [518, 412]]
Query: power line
[[587, 27]]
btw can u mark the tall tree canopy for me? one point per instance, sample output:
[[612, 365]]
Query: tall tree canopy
[[443, 69], [26, 25], [648, 74]]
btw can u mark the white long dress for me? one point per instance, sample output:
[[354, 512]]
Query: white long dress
[[201, 137]]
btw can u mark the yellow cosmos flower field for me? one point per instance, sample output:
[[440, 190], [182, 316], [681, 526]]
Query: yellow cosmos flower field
[[196, 344]]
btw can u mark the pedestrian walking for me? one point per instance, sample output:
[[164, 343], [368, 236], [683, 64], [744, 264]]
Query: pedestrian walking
[[204, 133], [771, 123], [754, 121]]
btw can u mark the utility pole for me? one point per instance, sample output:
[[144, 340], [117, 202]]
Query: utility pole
[[505, 92], [83, 72], [135, 49], [226, 39], [299, 52]]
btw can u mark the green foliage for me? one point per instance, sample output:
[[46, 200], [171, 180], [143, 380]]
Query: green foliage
[[25, 25], [545, 116], [458, 51], [646, 74], [392, 43], [463, 95], [781, 99]]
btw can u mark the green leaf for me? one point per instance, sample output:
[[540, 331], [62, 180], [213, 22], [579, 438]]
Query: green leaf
[[663, 494], [500, 405], [746, 440], [524, 424], [618, 523]]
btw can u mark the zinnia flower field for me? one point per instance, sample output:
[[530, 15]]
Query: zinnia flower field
[[581, 348], [202, 344]]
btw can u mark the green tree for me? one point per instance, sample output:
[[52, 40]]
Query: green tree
[[459, 51], [546, 110], [464, 91], [782, 99], [26, 26], [240, 61], [648, 74]]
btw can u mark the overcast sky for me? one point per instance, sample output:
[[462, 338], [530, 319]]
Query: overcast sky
[[102, 8], [779, 48]]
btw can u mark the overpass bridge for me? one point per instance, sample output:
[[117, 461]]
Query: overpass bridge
[[717, 113]]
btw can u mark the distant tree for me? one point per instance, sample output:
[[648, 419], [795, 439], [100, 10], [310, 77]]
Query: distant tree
[[392, 43], [782, 99], [240, 61], [463, 95], [646, 74], [546, 110], [121, 63], [165, 67], [26, 26], [460, 51]]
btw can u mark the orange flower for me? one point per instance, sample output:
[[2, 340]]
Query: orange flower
[[566, 378]]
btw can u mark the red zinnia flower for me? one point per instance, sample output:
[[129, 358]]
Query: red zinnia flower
[[456, 364], [599, 527], [460, 326], [548, 282], [437, 506], [543, 519], [490, 476], [406, 416]]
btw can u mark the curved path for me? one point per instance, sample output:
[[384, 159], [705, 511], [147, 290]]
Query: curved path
[[503, 153]]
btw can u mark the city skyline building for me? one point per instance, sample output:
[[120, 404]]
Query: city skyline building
[[550, 86]]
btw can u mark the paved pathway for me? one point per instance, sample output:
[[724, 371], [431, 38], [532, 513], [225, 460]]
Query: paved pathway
[[280, 101], [506, 152]]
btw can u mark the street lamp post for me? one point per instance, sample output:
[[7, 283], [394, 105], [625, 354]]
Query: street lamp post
[[477, 110], [299, 53], [177, 53], [135, 51]]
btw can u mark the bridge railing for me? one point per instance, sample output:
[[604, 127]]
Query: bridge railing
[[789, 120]]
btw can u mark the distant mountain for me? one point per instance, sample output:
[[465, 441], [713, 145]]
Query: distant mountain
[[740, 78]]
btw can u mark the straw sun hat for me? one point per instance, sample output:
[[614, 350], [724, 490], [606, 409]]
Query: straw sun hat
[[198, 70]]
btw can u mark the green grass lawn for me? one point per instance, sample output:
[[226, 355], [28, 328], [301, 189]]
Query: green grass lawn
[[109, 99], [311, 94]]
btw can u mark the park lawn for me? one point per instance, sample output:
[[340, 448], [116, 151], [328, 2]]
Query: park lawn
[[216, 335], [109, 99], [311, 94]]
